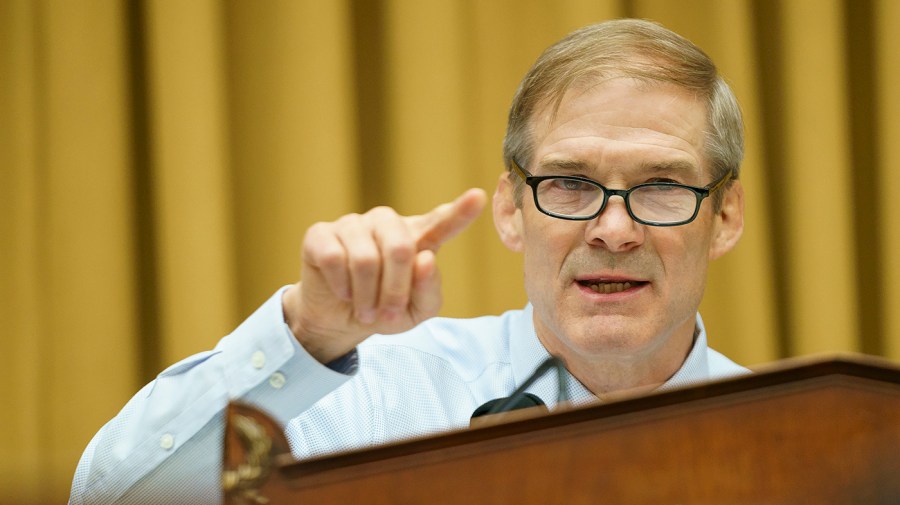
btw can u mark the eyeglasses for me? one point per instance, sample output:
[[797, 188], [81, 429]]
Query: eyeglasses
[[654, 203]]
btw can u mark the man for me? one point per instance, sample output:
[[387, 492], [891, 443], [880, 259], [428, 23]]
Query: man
[[623, 150]]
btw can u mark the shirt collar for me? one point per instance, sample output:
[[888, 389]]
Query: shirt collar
[[696, 366], [527, 353]]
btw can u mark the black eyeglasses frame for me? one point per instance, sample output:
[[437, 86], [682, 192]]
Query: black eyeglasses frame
[[700, 192]]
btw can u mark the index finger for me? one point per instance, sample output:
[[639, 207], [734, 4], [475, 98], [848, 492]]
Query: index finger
[[446, 220]]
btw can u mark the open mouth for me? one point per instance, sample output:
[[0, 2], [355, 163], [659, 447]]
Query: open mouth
[[610, 287]]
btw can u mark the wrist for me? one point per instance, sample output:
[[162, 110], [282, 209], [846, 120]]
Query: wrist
[[315, 341]]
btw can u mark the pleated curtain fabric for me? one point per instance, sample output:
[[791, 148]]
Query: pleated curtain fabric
[[160, 161]]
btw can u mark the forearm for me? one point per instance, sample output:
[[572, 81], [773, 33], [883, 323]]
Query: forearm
[[173, 427]]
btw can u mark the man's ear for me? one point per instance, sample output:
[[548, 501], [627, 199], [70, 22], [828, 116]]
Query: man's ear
[[507, 217], [729, 221]]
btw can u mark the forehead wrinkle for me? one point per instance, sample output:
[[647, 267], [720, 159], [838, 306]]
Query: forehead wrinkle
[[617, 135], [683, 168], [680, 167]]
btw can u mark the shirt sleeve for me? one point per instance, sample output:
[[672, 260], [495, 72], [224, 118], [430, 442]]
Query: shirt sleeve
[[165, 446]]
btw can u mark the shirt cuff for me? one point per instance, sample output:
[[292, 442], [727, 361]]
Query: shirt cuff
[[275, 372]]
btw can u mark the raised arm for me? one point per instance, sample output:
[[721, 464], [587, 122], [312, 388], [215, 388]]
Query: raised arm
[[361, 275]]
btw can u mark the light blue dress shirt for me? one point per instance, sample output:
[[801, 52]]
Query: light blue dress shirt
[[165, 446]]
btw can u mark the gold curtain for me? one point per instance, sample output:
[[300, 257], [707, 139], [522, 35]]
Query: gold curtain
[[160, 160]]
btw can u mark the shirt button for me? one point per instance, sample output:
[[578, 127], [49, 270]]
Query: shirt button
[[277, 380], [167, 441], [258, 360]]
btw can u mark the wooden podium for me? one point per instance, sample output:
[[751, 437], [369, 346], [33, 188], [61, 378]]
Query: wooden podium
[[823, 430]]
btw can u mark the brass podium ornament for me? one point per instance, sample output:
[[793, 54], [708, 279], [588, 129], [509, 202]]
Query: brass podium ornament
[[243, 482]]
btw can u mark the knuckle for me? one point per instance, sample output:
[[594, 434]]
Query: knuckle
[[382, 211], [394, 298], [331, 259], [316, 233], [401, 252], [364, 264], [348, 218]]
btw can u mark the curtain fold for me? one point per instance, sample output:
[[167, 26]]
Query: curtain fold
[[293, 133], [68, 318], [19, 310], [190, 174], [160, 161], [887, 110], [816, 178]]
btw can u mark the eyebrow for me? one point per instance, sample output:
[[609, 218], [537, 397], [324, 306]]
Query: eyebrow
[[575, 166], [570, 166]]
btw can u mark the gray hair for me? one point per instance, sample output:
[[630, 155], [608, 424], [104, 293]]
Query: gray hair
[[634, 48]]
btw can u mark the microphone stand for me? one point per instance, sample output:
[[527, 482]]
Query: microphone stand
[[562, 394]]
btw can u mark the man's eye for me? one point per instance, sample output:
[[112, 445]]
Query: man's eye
[[573, 185], [663, 179]]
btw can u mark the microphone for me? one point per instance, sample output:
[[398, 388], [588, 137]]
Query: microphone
[[523, 402], [519, 399]]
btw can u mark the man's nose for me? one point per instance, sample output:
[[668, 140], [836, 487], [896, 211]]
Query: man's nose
[[614, 228]]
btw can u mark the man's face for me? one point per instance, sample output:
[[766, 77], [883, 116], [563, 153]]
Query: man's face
[[611, 287]]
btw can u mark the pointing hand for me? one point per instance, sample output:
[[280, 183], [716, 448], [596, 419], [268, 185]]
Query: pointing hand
[[371, 273]]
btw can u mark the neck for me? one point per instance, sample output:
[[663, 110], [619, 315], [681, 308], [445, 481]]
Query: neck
[[609, 377]]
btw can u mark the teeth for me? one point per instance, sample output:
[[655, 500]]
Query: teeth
[[610, 287]]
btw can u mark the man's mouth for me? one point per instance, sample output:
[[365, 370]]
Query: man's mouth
[[610, 287]]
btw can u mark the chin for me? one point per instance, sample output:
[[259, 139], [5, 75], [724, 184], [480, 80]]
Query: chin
[[609, 347], [621, 342]]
